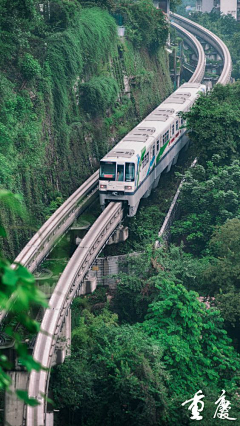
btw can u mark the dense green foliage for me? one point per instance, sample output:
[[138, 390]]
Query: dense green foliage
[[135, 292], [211, 190], [98, 94], [214, 123], [115, 376], [145, 25], [222, 274], [209, 220], [177, 320], [209, 196], [141, 373]]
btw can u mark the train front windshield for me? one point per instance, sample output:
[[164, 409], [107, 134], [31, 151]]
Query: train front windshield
[[107, 170]]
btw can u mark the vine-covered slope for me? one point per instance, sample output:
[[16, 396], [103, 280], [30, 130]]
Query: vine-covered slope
[[70, 88]]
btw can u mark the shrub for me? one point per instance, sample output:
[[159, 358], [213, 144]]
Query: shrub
[[30, 67], [98, 94]]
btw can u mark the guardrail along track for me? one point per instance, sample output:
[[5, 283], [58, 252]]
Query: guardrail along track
[[212, 39], [60, 301]]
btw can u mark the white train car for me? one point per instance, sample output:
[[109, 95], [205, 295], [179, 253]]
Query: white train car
[[134, 166]]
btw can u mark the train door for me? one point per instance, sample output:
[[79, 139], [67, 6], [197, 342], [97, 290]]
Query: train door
[[120, 173], [152, 154], [119, 184]]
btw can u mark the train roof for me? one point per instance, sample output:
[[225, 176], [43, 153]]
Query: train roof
[[157, 122]]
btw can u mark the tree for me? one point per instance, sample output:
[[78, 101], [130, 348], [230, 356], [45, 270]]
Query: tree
[[209, 196], [196, 350], [136, 290], [223, 274], [174, 4], [110, 377], [214, 123], [145, 25], [115, 376]]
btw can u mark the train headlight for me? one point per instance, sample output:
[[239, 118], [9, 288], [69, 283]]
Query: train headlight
[[128, 187], [103, 186]]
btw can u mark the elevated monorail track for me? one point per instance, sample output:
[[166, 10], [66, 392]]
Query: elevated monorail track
[[196, 46], [60, 301], [90, 246], [213, 40], [48, 235]]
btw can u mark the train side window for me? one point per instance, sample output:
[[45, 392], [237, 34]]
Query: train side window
[[120, 172], [153, 151], [172, 129], [165, 137], [176, 125], [157, 145]]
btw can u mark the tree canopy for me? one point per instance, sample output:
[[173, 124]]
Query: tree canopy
[[214, 123]]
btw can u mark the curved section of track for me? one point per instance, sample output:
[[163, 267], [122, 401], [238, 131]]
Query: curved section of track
[[60, 301], [198, 49], [45, 239], [212, 39]]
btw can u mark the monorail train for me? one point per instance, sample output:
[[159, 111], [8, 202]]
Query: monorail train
[[134, 166]]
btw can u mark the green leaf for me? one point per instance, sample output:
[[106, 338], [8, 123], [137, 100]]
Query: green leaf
[[9, 277], [24, 274], [22, 394], [29, 363]]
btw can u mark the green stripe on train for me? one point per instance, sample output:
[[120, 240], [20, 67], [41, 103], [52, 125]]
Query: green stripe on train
[[140, 162], [162, 150]]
